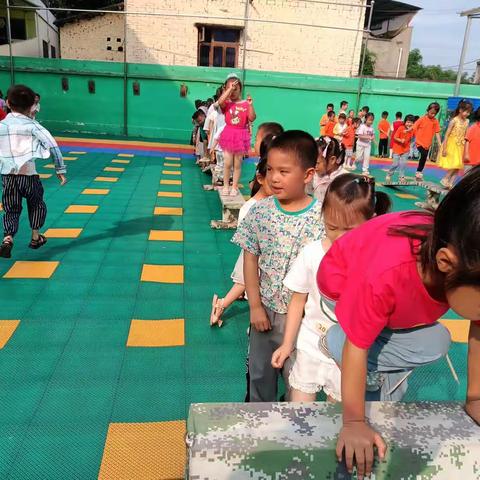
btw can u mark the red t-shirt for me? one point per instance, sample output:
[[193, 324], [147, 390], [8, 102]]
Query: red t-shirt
[[395, 127], [401, 148], [473, 139], [349, 137], [2, 114], [372, 278], [236, 113], [424, 130]]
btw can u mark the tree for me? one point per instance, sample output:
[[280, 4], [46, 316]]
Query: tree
[[369, 65], [86, 4]]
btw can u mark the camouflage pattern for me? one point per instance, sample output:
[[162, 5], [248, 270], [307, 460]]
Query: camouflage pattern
[[279, 441]]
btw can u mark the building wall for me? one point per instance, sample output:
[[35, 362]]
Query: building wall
[[87, 39], [387, 52], [269, 46]]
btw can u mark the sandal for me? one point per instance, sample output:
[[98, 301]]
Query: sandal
[[217, 310], [225, 191], [40, 242], [6, 249], [233, 192]]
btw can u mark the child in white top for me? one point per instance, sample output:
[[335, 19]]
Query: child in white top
[[350, 201], [365, 135], [340, 127]]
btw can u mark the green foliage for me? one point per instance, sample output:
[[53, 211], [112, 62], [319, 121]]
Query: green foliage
[[86, 4], [370, 59]]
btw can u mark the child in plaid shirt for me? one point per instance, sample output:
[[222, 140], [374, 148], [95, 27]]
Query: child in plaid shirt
[[22, 141]]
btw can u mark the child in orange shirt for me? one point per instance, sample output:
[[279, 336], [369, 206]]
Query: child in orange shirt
[[324, 119], [472, 143], [401, 149], [330, 124], [349, 141], [383, 129]]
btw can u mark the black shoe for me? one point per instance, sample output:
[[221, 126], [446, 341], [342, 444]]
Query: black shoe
[[40, 242], [6, 249]]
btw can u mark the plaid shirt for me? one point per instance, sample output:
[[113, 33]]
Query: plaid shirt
[[22, 141]]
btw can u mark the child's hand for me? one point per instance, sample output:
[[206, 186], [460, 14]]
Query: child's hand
[[62, 178], [358, 440], [466, 158], [249, 99], [259, 319], [472, 407], [280, 355], [444, 151]]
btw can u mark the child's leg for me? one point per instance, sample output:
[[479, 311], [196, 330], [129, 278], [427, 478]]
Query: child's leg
[[360, 153], [227, 167], [402, 165], [237, 171], [299, 396], [37, 210], [348, 157], [423, 159], [12, 204], [395, 165], [366, 159]]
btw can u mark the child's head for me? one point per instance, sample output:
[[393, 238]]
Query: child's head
[[350, 201], [384, 114], [356, 122], [343, 105], [369, 119], [398, 115], [351, 114], [264, 129], [365, 109], [464, 109], [20, 99], [331, 116], [476, 115], [37, 98], [259, 181], [291, 163], [409, 121], [199, 117], [331, 156], [329, 107], [233, 79], [342, 118], [433, 109]]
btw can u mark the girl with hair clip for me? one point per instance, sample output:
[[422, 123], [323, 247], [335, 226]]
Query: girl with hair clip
[[235, 137], [260, 190], [450, 156], [330, 164], [350, 201]]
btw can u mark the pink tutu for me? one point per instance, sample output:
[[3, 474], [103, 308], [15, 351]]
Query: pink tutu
[[235, 140]]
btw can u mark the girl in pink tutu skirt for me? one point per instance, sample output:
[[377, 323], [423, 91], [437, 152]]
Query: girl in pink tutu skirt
[[235, 137]]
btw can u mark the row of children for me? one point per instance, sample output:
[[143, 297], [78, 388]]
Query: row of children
[[4, 108]]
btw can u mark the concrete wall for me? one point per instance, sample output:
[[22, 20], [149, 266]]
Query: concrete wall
[[387, 52], [269, 46], [87, 39]]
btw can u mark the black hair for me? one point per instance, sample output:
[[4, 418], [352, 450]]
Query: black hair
[[463, 105], [198, 104], [330, 105], [272, 128], [385, 114], [356, 120], [332, 147], [476, 115], [370, 115], [197, 114], [434, 105], [1, 94], [262, 164], [236, 80], [209, 102], [342, 115], [416, 117], [357, 193], [343, 102], [20, 98], [38, 95], [218, 93], [366, 108], [456, 223], [299, 144], [399, 115], [409, 118], [331, 113]]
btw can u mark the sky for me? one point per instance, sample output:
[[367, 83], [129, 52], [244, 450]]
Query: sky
[[438, 32]]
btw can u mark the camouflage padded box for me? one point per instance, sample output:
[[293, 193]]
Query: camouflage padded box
[[279, 441]]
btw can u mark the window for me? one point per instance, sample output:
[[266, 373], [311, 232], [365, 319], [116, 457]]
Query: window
[[45, 49], [18, 28], [53, 52], [218, 46]]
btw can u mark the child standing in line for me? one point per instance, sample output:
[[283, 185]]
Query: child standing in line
[[36, 106], [351, 117], [265, 134], [349, 142], [343, 108], [340, 127], [472, 143], [201, 140], [271, 236], [235, 137], [383, 131], [395, 125], [350, 201], [401, 148], [22, 141], [424, 129], [388, 295], [329, 127], [450, 156], [324, 119], [365, 135]]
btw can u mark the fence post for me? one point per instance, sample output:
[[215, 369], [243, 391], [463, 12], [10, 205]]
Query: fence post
[[9, 38], [125, 76], [245, 28], [362, 63]]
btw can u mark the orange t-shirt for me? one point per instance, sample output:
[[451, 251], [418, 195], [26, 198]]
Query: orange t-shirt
[[329, 129], [349, 137], [424, 130], [401, 148], [473, 139], [385, 126]]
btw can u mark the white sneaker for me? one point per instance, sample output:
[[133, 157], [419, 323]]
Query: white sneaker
[[388, 179], [366, 172]]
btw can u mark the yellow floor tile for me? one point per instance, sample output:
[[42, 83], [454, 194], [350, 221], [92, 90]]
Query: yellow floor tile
[[406, 196], [458, 329], [82, 209], [172, 158], [147, 451], [32, 270], [106, 179], [170, 182], [128, 155], [162, 273], [49, 165], [166, 235], [113, 169], [166, 164], [170, 194], [176, 211], [117, 160], [70, 159], [96, 191], [156, 333], [7, 328], [44, 176], [77, 153], [63, 232], [171, 172]]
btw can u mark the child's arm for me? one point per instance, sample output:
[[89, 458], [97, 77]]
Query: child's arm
[[445, 140], [466, 152], [226, 95], [472, 406], [399, 139], [258, 316], [49, 143], [251, 110], [294, 320], [356, 436]]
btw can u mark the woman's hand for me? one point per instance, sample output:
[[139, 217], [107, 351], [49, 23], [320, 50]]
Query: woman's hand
[[358, 439]]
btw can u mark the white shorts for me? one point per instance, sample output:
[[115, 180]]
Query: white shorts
[[312, 370], [237, 274]]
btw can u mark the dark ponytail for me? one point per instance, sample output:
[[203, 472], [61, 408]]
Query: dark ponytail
[[383, 204], [332, 147], [262, 164]]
